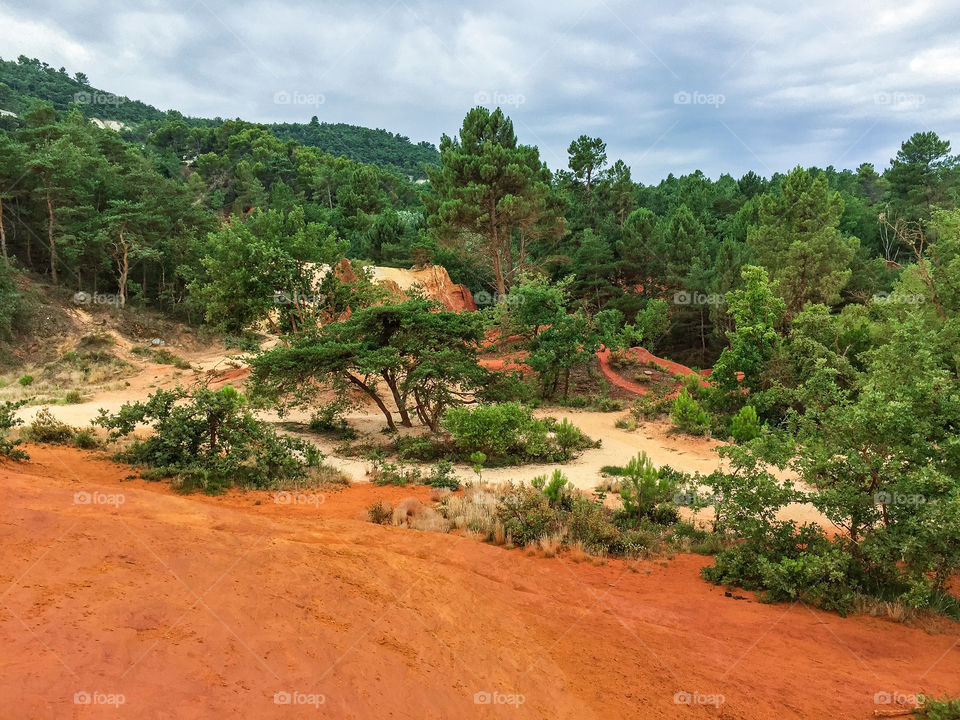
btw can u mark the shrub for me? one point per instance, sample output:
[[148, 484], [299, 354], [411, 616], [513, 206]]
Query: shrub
[[165, 357], [789, 564], [589, 524], [626, 423], [507, 388], [745, 426], [526, 514], [8, 421], [380, 512], [557, 488], [388, 473], [85, 439], [442, 476], [209, 439], [643, 491], [650, 407], [605, 404], [45, 428], [509, 432], [569, 439], [492, 429], [944, 708], [416, 447], [688, 416], [26, 380], [73, 397]]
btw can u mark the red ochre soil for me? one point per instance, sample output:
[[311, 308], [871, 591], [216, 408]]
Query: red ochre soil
[[205, 607]]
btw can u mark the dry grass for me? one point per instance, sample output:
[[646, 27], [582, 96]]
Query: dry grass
[[578, 553], [475, 510], [550, 545]]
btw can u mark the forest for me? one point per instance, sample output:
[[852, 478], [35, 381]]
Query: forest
[[826, 301]]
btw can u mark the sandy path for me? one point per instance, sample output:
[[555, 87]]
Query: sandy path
[[198, 607]]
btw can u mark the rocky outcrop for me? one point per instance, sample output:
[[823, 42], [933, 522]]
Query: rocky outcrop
[[433, 279]]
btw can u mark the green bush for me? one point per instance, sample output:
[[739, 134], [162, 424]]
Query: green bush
[[209, 439], [243, 343], [688, 416], [944, 708], [389, 473], [509, 432], [85, 439], [416, 447], [651, 407], [495, 430], [507, 388], [745, 426], [589, 524], [165, 357], [8, 421], [786, 562], [73, 397], [643, 491], [557, 489], [526, 514], [442, 476], [605, 404], [45, 428], [328, 419], [26, 380]]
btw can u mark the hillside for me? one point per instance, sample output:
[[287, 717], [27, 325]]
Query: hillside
[[28, 78]]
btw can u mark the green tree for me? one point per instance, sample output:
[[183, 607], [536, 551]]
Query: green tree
[[756, 311], [587, 158], [797, 240], [922, 176], [407, 357], [491, 192]]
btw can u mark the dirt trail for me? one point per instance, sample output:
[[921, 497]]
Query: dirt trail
[[644, 356], [198, 607]]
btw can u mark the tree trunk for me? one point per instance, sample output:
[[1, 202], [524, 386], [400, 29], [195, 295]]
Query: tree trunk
[[124, 265], [495, 251], [3, 234], [53, 245], [401, 405], [376, 398]]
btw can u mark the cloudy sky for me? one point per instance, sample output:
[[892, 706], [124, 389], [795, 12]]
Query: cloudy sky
[[671, 86]]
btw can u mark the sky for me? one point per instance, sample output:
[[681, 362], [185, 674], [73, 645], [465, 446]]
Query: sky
[[672, 87]]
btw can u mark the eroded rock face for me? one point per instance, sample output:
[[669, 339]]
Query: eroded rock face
[[434, 279]]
